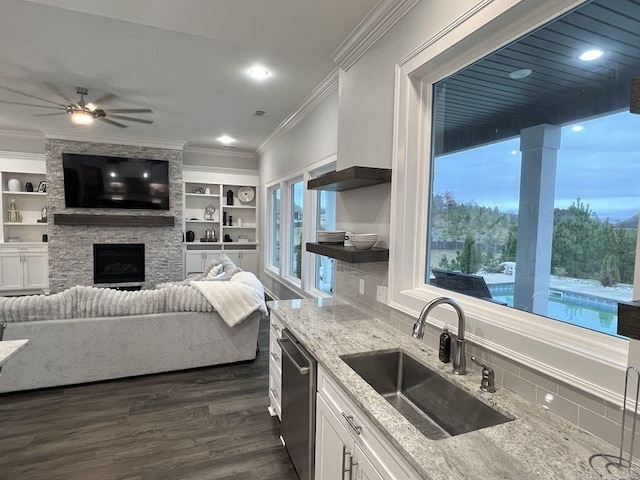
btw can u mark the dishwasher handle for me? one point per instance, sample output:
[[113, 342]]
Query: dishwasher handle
[[286, 344]]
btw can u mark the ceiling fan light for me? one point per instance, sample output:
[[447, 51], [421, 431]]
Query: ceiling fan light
[[81, 118]]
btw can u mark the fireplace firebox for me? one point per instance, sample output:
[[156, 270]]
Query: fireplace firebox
[[118, 262]]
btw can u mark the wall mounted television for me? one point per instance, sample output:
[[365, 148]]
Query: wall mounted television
[[94, 181]]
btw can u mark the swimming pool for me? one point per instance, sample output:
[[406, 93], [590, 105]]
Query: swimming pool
[[584, 311]]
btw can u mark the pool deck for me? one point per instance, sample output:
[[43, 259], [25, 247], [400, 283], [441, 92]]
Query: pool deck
[[619, 293]]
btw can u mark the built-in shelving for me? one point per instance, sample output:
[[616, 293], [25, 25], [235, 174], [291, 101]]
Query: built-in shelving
[[349, 254], [350, 178]]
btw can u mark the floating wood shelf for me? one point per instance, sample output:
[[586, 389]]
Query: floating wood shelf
[[349, 254], [113, 220], [350, 178]]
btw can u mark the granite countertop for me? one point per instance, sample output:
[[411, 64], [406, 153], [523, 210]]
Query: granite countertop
[[538, 444], [9, 348]]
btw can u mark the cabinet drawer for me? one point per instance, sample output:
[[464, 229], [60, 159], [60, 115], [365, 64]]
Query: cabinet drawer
[[380, 452], [275, 390], [276, 327], [275, 353]]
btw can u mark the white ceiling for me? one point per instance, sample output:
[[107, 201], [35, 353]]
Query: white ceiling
[[186, 60]]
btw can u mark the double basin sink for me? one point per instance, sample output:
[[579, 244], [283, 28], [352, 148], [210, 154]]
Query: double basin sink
[[435, 406]]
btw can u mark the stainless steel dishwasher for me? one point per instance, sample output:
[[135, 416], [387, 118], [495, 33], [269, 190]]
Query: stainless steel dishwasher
[[298, 417]]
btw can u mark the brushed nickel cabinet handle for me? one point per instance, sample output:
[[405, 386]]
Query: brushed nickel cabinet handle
[[349, 419]]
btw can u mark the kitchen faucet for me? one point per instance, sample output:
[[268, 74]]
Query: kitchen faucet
[[459, 359]]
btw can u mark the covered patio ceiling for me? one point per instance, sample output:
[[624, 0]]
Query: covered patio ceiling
[[483, 104]]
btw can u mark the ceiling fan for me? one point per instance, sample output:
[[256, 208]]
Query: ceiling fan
[[82, 112]]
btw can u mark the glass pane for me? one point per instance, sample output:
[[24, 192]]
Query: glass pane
[[326, 220], [275, 227], [295, 263], [535, 194]]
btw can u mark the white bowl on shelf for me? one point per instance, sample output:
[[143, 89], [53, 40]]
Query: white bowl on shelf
[[336, 236], [364, 244]]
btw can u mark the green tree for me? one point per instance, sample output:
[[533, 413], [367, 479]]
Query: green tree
[[469, 259], [610, 272]]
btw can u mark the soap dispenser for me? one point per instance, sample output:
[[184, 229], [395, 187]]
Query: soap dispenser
[[444, 351]]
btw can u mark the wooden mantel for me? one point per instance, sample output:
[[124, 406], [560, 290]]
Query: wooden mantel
[[75, 219]]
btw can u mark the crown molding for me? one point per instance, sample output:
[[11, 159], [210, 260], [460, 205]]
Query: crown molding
[[317, 96], [372, 27], [22, 155], [23, 134], [115, 139], [226, 170], [219, 152]]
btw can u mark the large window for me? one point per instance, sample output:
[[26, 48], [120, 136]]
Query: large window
[[513, 201], [289, 203], [296, 199], [534, 192]]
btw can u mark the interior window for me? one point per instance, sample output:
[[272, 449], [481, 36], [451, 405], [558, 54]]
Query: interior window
[[534, 182]]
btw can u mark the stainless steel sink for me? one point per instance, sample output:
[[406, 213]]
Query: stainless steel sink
[[435, 406]]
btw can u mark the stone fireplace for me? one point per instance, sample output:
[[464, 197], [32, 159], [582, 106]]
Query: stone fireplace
[[71, 246]]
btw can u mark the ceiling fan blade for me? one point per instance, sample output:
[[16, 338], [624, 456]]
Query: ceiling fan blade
[[106, 98], [58, 92], [49, 114], [130, 119], [128, 110], [117, 124], [32, 96], [30, 104]]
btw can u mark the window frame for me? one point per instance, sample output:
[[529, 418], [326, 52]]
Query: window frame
[[313, 206], [585, 359], [269, 266], [306, 285]]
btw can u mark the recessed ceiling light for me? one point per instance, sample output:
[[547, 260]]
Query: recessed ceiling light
[[513, 152], [226, 139], [590, 55], [577, 128], [259, 73], [521, 73]]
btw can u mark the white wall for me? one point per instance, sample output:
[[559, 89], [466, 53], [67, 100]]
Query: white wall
[[311, 140], [220, 158], [25, 142]]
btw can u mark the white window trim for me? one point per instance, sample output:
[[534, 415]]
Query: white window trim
[[268, 265], [305, 286], [588, 360]]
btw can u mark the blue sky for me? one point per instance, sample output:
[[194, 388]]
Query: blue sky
[[600, 164]]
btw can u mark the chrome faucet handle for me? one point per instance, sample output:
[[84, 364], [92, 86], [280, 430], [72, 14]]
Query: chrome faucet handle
[[488, 382]]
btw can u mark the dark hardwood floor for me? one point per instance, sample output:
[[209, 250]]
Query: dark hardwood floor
[[209, 423]]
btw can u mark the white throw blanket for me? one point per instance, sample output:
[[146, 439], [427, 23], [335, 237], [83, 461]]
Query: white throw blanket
[[236, 299]]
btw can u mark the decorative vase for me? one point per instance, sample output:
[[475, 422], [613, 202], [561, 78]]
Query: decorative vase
[[28, 187], [15, 185], [230, 197]]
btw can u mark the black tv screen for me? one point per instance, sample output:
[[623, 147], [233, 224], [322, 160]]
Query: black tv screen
[[92, 181]]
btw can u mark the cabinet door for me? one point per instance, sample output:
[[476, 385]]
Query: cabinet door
[[10, 271], [211, 255], [334, 445], [363, 468], [234, 257], [250, 261], [36, 270], [193, 262]]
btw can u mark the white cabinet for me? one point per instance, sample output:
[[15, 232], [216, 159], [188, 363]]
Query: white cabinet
[[342, 427], [275, 366], [334, 445], [196, 260], [245, 259], [23, 269]]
